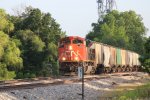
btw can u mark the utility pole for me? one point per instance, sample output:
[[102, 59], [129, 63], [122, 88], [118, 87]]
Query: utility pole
[[104, 7], [81, 76]]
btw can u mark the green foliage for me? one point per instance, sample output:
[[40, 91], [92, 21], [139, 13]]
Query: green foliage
[[29, 75], [121, 29], [10, 59], [32, 48], [38, 34], [147, 46], [146, 65], [9, 52], [5, 74], [11, 75], [3, 71], [4, 39], [5, 24], [56, 69], [145, 59], [12, 55], [142, 92], [30, 41], [22, 75]]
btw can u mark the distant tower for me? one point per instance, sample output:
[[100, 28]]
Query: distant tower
[[105, 6]]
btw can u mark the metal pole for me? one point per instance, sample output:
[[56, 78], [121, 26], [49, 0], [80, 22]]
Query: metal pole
[[82, 82]]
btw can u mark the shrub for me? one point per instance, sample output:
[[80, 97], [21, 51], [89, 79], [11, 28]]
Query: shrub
[[20, 75], [141, 92], [32, 75], [5, 74]]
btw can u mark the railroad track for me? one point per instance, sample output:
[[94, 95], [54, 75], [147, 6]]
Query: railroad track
[[42, 82]]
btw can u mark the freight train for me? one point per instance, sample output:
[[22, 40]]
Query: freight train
[[94, 57]]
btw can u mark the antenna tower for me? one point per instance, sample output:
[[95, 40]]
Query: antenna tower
[[104, 7]]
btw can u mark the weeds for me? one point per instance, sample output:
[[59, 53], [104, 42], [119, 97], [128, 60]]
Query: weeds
[[140, 93]]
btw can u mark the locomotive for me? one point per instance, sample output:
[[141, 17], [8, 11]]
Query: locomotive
[[94, 57]]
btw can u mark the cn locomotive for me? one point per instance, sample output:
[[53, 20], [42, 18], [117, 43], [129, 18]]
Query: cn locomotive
[[94, 57]]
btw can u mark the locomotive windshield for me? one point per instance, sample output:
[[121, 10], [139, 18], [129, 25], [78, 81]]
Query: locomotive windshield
[[77, 41], [63, 42]]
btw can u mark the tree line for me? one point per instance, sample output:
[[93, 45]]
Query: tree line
[[28, 44], [29, 41]]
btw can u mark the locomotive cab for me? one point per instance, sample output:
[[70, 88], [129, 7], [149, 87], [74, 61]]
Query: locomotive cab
[[72, 50]]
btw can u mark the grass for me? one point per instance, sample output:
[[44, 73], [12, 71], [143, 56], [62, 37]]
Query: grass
[[129, 93], [141, 92]]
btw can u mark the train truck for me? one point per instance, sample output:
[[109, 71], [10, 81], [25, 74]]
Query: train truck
[[94, 57]]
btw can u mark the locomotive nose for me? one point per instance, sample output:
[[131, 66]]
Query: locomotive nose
[[68, 48]]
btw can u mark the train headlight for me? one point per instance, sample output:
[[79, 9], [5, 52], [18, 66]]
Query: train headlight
[[63, 58], [76, 58], [70, 47]]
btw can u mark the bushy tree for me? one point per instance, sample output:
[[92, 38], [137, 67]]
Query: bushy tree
[[121, 29], [32, 48], [145, 59], [39, 34], [5, 24], [10, 59]]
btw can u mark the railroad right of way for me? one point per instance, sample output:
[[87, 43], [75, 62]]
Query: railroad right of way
[[42, 82]]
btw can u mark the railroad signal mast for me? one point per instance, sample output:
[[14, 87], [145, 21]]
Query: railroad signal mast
[[104, 7]]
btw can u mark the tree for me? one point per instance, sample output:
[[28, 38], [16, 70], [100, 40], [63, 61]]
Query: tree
[[5, 24], [147, 46], [145, 59], [10, 59], [32, 48], [39, 34], [121, 29]]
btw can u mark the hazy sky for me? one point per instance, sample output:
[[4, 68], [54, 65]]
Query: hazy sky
[[76, 16]]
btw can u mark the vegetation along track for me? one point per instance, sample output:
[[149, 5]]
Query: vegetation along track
[[42, 82]]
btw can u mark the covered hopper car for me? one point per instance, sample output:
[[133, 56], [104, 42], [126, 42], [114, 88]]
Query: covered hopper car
[[95, 57]]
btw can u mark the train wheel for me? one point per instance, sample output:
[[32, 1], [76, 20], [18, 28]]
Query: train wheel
[[93, 71], [107, 70], [136, 68], [131, 69], [113, 70], [119, 69], [76, 70], [88, 69], [127, 69], [85, 69], [123, 68]]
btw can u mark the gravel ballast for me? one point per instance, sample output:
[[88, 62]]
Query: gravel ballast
[[93, 89]]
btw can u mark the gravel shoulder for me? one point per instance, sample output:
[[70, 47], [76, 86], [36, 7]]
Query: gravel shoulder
[[94, 89]]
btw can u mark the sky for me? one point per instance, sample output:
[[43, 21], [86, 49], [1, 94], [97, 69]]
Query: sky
[[76, 16]]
